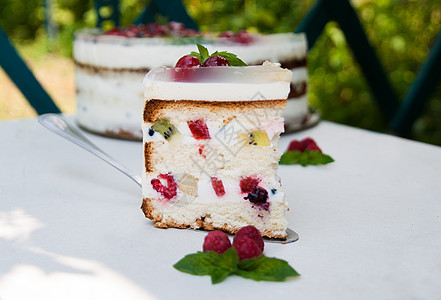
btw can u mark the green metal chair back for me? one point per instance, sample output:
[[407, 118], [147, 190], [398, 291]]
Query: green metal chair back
[[23, 78], [400, 117], [174, 10]]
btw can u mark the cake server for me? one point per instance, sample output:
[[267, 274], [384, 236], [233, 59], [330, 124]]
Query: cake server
[[58, 124]]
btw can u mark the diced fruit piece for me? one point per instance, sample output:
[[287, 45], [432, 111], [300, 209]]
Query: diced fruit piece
[[215, 61], [216, 241], [295, 145], [253, 233], [165, 128], [188, 61], [218, 186], [199, 129], [257, 138], [189, 185], [168, 191], [246, 248], [259, 195], [249, 184]]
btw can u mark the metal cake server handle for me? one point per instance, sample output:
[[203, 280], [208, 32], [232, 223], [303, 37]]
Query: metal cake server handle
[[58, 124]]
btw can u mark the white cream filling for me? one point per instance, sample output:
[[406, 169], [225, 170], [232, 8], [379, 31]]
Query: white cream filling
[[206, 193], [162, 90], [273, 128]]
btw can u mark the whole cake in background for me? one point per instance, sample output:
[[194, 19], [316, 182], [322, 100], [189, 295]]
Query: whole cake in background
[[210, 137], [110, 67]]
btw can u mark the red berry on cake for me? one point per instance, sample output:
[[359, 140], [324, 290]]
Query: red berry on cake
[[188, 61], [199, 129], [215, 61], [216, 241], [248, 184], [218, 186], [253, 233], [246, 248], [243, 37]]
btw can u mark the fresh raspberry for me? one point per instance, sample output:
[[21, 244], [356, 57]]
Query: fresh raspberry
[[168, 191], [216, 241], [243, 37], [246, 248], [295, 145], [259, 195], [313, 147], [188, 61], [226, 34], [199, 129], [115, 31], [305, 144], [176, 26], [215, 61], [306, 141], [248, 184], [253, 233], [185, 67], [218, 186]]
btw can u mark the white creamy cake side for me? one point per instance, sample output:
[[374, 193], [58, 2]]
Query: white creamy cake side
[[211, 148]]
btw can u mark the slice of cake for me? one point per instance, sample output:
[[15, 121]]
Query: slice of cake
[[210, 137], [110, 65]]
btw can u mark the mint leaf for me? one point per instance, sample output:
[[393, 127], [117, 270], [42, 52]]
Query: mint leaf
[[204, 53], [232, 59], [305, 158], [196, 54], [265, 268], [218, 266]]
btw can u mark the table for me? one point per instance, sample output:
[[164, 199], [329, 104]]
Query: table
[[71, 227]]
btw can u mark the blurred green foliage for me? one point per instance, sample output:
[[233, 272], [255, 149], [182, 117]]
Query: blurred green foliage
[[401, 32]]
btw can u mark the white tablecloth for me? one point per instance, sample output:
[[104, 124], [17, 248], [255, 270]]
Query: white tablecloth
[[71, 227]]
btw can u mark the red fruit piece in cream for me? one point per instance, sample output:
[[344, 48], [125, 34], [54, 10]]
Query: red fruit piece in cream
[[168, 191], [218, 186], [199, 129], [248, 184]]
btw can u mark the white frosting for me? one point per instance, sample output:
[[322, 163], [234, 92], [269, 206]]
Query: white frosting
[[252, 83], [299, 75], [296, 109], [122, 52], [109, 102]]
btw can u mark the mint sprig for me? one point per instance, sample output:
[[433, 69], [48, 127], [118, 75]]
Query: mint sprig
[[220, 266], [232, 59], [203, 55], [305, 158]]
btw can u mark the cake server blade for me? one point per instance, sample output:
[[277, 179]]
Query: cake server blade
[[57, 123]]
